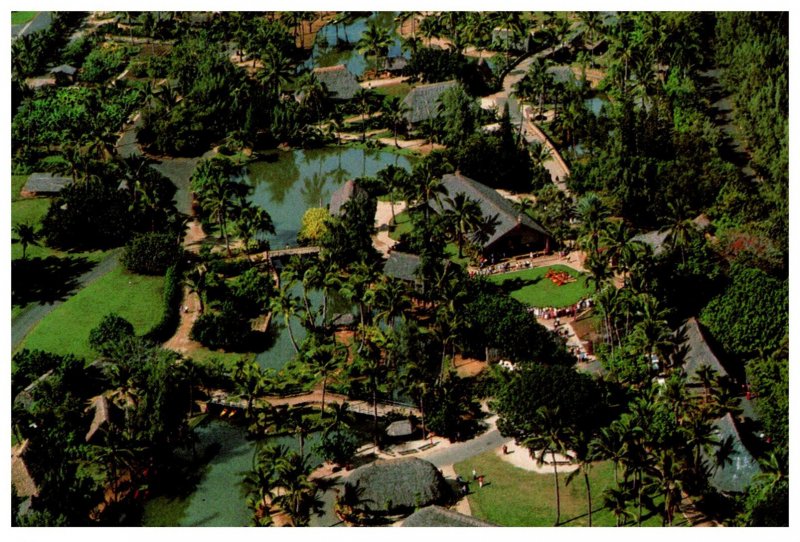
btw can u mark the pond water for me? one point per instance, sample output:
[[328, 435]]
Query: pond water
[[325, 53], [287, 184], [595, 104], [218, 499]]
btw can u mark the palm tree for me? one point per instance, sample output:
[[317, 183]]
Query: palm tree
[[463, 217], [375, 41], [364, 99], [391, 300], [249, 380], [26, 235], [616, 500], [394, 179], [276, 71], [581, 445], [608, 444], [324, 359], [195, 280], [592, 213], [217, 200], [551, 437], [252, 221], [429, 189], [678, 226], [394, 113], [288, 305], [297, 495], [592, 23]]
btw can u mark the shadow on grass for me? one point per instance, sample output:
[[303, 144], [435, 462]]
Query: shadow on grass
[[512, 285], [46, 280]]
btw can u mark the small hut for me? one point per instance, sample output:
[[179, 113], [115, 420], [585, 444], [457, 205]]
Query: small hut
[[396, 64], [341, 84], [403, 266], [436, 516], [44, 184], [343, 194], [423, 101], [398, 486], [21, 478], [64, 74]]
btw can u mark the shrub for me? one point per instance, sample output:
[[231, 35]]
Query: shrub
[[252, 291], [102, 63], [338, 446], [110, 331], [170, 317], [225, 329], [151, 253]]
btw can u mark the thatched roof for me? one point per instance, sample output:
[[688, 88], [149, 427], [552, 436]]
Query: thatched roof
[[402, 265], [491, 203], [400, 428], [20, 475], [341, 84], [45, 183], [739, 473], [699, 352], [342, 195], [423, 101], [436, 516], [655, 239], [396, 63], [102, 415], [501, 36], [399, 485], [564, 74], [65, 69]]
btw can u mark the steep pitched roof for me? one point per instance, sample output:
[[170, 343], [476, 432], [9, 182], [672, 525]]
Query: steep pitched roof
[[739, 473], [396, 63], [654, 238], [341, 84], [491, 203], [699, 353], [397, 485], [45, 183], [423, 101], [342, 195], [436, 516], [20, 475], [102, 415], [402, 266]]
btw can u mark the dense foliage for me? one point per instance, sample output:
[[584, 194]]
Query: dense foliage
[[112, 330], [151, 253]]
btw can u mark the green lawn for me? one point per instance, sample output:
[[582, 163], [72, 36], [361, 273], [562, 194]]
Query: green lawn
[[399, 90], [514, 497], [136, 298], [22, 17], [532, 288]]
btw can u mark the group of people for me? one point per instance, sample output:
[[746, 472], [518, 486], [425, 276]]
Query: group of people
[[550, 313], [464, 485]]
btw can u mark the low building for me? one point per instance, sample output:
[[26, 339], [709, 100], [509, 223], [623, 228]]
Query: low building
[[44, 184], [396, 64], [64, 74], [340, 83], [343, 194], [402, 266], [436, 516], [736, 473], [698, 352], [398, 486], [423, 101], [514, 232]]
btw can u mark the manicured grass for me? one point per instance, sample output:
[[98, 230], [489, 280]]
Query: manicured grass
[[399, 90], [22, 17], [514, 497], [532, 288], [66, 330]]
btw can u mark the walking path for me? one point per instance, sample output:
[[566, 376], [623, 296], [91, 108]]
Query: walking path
[[33, 314]]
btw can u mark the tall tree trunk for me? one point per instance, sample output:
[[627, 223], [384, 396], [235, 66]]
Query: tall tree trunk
[[291, 335], [324, 385], [588, 495], [375, 414], [558, 494]]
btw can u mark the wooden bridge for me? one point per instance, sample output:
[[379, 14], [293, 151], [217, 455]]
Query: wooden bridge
[[293, 251], [315, 398]]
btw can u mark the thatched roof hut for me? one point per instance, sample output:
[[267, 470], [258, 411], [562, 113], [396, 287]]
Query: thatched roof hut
[[343, 194], [514, 232], [401, 265], [40, 184], [436, 516], [698, 352], [20, 475], [734, 476], [341, 84], [398, 486], [423, 101]]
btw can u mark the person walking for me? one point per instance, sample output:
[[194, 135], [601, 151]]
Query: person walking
[[474, 474], [480, 481]]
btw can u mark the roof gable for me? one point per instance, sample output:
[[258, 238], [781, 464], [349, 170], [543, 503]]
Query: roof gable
[[423, 101], [341, 84], [491, 204], [699, 352]]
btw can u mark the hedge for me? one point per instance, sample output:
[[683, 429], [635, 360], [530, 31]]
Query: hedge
[[170, 317]]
